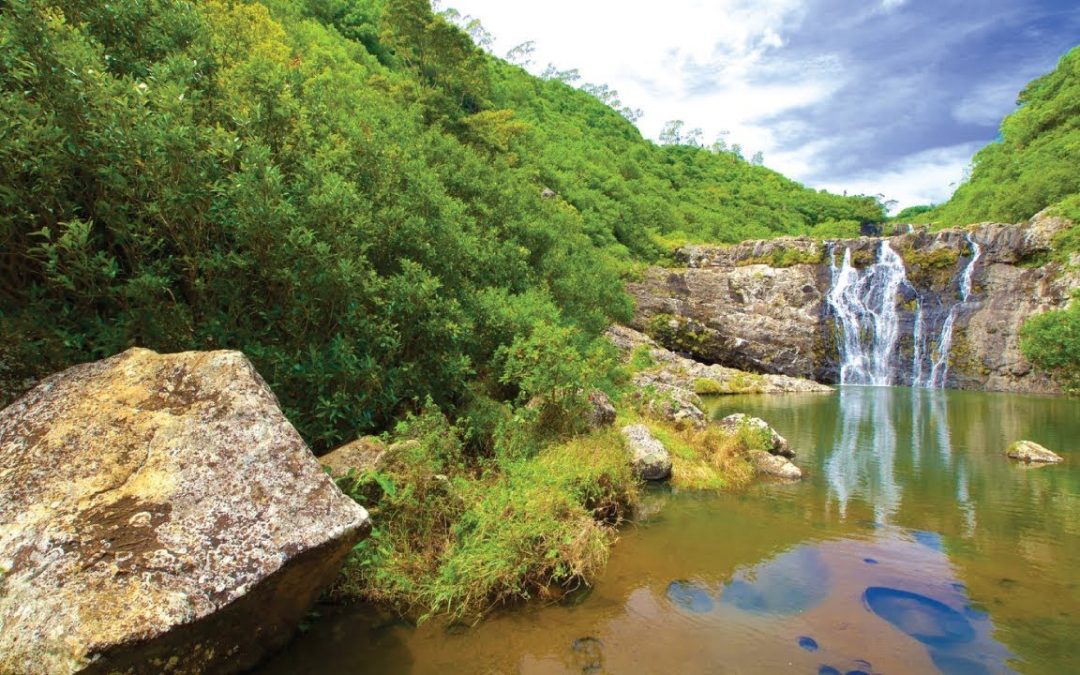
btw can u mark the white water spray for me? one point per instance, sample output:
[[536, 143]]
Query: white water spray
[[864, 304], [940, 370]]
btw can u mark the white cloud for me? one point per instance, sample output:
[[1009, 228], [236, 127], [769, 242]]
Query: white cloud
[[988, 103], [694, 60], [928, 177], [821, 103]]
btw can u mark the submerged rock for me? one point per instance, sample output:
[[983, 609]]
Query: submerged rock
[[775, 444], [649, 457], [160, 514], [1027, 451], [691, 596], [927, 620]]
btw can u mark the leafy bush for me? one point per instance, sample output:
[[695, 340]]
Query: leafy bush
[[1052, 342]]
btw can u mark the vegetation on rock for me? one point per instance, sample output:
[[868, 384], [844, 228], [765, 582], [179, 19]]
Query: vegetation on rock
[[1052, 342]]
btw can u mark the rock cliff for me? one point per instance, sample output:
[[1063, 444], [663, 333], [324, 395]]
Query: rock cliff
[[763, 305]]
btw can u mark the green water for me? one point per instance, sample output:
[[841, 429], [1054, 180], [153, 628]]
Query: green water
[[972, 562]]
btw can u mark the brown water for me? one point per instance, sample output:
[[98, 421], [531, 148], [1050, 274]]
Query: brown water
[[912, 546]]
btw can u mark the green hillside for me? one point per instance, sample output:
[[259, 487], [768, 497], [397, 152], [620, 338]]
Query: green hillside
[[1034, 164], [347, 190]]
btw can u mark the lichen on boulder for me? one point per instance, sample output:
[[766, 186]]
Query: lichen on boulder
[[160, 514]]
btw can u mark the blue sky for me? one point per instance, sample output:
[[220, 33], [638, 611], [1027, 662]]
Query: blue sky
[[888, 97]]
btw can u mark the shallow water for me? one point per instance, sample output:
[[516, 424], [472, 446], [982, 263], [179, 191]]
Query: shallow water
[[912, 546]]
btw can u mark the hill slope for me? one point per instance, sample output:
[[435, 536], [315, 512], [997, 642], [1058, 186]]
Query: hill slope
[[347, 190], [1036, 161]]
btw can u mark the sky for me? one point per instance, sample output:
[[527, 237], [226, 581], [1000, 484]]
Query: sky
[[880, 97]]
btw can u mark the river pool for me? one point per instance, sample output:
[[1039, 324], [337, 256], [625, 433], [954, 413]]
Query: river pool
[[912, 546]]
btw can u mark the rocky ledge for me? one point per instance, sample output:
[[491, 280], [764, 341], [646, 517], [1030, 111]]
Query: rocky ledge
[[160, 514], [670, 370], [762, 306]]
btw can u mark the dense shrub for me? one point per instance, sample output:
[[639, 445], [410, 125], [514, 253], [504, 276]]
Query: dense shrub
[[1052, 342]]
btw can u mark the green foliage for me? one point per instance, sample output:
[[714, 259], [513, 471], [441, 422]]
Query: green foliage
[[788, 257], [837, 229], [704, 386], [245, 177], [641, 358], [1036, 161], [910, 213], [461, 541], [554, 374], [1052, 342]]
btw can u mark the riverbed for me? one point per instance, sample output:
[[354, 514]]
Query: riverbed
[[912, 546]]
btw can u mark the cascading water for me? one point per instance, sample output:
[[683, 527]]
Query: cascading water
[[864, 304], [940, 370]]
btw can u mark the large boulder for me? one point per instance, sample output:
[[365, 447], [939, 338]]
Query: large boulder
[[160, 514], [1028, 451], [774, 443], [649, 457]]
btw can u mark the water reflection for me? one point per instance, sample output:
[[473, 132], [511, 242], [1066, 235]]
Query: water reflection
[[863, 452], [791, 583]]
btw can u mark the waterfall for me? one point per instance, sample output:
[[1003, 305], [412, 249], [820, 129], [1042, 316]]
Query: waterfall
[[864, 305], [917, 347], [940, 370]]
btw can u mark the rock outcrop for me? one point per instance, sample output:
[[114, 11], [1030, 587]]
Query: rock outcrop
[[775, 444], [159, 514], [601, 410], [672, 370], [762, 306], [1031, 452], [649, 458]]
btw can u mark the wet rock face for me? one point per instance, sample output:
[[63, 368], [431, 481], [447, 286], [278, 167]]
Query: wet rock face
[[762, 306], [159, 514]]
